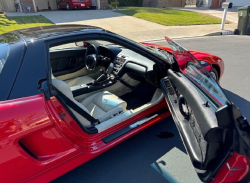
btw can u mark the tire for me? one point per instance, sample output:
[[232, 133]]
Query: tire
[[215, 74], [68, 6], [58, 6]]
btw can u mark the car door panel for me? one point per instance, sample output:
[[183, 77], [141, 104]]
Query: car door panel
[[201, 133], [207, 121]]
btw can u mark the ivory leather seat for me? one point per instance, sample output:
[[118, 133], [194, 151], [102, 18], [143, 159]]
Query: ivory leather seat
[[102, 105]]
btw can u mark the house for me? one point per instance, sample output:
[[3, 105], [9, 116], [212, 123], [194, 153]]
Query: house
[[182, 3], [38, 5], [164, 3]]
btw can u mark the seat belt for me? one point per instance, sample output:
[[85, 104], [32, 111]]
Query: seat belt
[[76, 108]]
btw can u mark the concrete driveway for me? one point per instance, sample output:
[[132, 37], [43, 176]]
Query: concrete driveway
[[127, 26]]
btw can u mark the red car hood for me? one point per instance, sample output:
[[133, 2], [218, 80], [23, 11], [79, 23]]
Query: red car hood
[[202, 56]]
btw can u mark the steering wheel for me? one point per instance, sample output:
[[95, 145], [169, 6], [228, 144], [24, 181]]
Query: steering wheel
[[91, 59]]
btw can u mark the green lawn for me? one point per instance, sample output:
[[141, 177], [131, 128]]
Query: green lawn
[[170, 17], [13, 23]]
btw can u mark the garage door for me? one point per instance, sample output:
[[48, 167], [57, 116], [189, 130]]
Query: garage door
[[43, 4], [7, 5], [240, 2]]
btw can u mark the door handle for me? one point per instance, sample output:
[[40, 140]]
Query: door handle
[[182, 100]]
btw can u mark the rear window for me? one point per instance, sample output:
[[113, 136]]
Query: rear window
[[4, 54], [11, 53]]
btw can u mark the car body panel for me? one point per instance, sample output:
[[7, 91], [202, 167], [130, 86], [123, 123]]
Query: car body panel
[[19, 119], [49, 147], [234, 170], [213, 60]]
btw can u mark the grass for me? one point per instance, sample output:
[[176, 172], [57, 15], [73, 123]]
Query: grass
[[8, 24], [170, 17]]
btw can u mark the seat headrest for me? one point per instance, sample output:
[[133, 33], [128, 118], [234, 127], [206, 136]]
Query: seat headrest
[[63, 87]]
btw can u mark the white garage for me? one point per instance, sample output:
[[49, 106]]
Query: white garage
[[240, 2], [44, 5]]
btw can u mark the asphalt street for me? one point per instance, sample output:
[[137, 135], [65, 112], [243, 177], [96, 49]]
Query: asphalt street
[[131, 161]]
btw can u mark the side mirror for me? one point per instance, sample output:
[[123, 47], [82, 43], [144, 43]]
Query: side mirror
[[81, 44]]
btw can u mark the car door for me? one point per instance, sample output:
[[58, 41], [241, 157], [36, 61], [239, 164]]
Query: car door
[[214, 132]]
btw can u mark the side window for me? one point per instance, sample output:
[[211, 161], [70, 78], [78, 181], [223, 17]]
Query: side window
[[205, 81], [4, 54], [11, 51], [66, 58]]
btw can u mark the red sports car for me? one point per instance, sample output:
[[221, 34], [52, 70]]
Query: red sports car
[[74, 4], [62, 105]]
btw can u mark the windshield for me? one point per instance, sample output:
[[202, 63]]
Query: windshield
[[161, 53]]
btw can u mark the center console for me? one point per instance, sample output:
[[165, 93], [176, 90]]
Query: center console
[[90, 87], [119, 62]]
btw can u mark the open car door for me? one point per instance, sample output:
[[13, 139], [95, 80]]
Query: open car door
[[214, 132]]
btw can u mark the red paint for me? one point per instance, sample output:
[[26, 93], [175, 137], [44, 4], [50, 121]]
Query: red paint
[[241, 163], [182, 58], [58, 146], [28, 117], [75, 4]]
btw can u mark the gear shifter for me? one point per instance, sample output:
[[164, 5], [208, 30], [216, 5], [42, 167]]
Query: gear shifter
[[110, 68], [104, 75]]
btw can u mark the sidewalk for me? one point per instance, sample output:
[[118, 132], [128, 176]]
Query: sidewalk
[[127, 26]]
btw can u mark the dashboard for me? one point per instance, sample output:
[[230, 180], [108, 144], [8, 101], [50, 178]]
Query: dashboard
[[135, 65], [128, 62]]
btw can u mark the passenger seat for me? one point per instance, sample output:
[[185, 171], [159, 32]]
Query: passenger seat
[[102, 105]]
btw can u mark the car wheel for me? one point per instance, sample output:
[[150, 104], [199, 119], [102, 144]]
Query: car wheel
[[215, 74], [58, 6], [68, 6]]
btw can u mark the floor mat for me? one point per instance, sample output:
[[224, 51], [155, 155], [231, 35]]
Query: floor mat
[[139, 96]]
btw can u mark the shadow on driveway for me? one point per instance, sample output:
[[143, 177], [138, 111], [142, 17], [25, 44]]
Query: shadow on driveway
[[131, 160], [240, 102]]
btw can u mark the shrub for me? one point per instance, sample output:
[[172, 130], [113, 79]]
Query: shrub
[[115, 3], [108, 7]]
